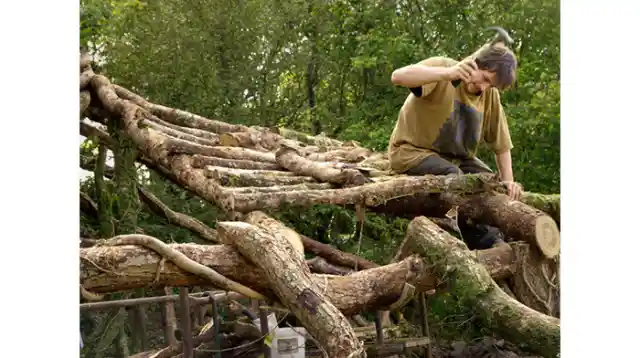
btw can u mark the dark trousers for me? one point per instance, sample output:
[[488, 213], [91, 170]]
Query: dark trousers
[[477, 237]]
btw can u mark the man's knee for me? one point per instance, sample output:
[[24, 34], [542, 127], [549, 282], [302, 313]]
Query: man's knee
[[434, 165], [481, 237]]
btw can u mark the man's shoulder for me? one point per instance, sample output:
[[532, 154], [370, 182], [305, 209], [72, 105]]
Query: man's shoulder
[[438, 61]]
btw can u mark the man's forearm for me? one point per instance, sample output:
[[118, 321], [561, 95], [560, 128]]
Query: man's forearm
[[418, 75], [503, 162]]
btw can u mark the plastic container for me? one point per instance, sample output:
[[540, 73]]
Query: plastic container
[[272, 322], [289, 342]]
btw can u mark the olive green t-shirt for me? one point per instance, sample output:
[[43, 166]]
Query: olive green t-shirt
[[447, 120]]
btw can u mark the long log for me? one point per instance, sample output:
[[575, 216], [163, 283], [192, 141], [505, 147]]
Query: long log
[[291, 159], [106, 269], [471, 284], [373, 194], [290, 279], [515, 219]]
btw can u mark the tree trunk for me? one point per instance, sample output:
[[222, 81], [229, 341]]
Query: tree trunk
[[471, 284]]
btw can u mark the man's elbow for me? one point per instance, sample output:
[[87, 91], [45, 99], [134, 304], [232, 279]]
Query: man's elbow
[[397, 78]]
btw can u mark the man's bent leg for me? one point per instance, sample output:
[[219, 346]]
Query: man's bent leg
[[474, 166], [434, 165], [478, 237]]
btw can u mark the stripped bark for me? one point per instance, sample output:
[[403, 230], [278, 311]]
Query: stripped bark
[[183, 262], [259, 178], [472, 285], [178, 117], [318, 140], [370, 195], [252, 139], [178, 134], [85, 99], [280, 231], [321, 265], [200, 161], [291, 159], [105, 269], [291, 281], [334, 255]]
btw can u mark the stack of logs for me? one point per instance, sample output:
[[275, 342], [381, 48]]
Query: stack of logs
[[248, 170]]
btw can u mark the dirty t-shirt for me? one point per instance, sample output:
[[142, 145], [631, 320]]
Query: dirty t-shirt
[[446, 120]]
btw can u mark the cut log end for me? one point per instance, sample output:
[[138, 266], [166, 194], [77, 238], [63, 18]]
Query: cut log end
[[547, 236], [228, 140]]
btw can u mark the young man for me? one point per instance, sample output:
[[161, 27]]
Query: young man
[[452, 108]]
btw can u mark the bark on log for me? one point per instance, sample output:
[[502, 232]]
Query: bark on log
[[179, 117], [280, 231], [321, 265], [259, 178], [291, 159], [105, 269], [85, 99], [515, 219], [200, 161], [371, 195], [318, 140], [290, 279], [174, 133], [334, 255], [251, 139], [349, 155], [549, 203], [472, 285]]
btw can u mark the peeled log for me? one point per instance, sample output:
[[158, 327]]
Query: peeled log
[[259, 178], [252, 139], [290, 279], [318, 140], [472, 285], [290, 159], [107, 269], [373, 194], [176, 116], [200, 161]]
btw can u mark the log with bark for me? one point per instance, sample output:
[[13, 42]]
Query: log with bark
[[105, 269], [290, 279], [472, 285]]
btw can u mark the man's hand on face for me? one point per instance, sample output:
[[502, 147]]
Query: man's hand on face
[[514, 190], [462, 70]]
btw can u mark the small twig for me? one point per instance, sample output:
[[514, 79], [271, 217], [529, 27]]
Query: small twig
[[90, 296], [183, 262]]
